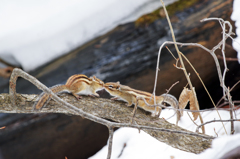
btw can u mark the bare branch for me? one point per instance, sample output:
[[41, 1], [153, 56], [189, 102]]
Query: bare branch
[[231, 120], [110, 140], [227, 58]]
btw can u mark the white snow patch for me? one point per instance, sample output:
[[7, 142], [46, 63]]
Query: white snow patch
[[36, 32], [141, 145]]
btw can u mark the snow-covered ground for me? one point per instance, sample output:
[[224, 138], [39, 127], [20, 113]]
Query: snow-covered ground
[[33, 33], [142, 146]]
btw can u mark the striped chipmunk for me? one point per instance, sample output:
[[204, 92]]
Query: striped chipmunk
[[129, 95], [78, 84]]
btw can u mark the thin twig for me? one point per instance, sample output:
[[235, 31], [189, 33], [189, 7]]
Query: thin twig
[[231, 111], [168, 90], [192, 119], [177, 112], [217, 105], [110, 140], [124, 145], [215, 132], [228, 58], [7, 63], [197, 129], [135, 109], [195, 111]]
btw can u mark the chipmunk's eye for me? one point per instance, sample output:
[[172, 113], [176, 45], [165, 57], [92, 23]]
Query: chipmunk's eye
[[111, 86]]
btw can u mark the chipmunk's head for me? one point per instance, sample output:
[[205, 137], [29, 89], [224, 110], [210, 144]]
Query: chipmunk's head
[[112, 87]]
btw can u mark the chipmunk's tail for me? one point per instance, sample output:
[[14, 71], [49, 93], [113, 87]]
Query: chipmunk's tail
[[44, 98], [171, 100]]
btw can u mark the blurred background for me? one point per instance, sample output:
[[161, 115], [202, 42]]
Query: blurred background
[[111, 39]]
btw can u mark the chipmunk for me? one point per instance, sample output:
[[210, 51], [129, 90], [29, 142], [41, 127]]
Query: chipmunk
[[133, 96], [77, 85]]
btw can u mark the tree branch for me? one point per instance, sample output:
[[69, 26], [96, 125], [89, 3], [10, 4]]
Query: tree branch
[[118, 112]]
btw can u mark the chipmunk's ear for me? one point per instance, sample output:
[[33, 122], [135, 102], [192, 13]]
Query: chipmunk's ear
[[91, 79], [94, 78], [98, 80], [118, 85]]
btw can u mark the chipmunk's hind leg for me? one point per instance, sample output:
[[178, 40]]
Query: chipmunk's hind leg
[[77, 89], [42, 101], [129, 103]]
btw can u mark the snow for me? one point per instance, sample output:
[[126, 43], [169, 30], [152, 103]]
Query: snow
[[33, 33], [221, 146], [142, 146], [236, 17]]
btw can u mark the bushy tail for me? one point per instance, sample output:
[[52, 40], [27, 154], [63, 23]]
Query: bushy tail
[[171, 100], [44, 98]]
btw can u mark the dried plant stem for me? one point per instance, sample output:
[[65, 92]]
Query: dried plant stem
[[203, 86], [199, 79], [182, 64]]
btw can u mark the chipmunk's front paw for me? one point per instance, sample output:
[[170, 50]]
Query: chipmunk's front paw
[[77, 96], [93, 95], [128, 104], [114, 98]]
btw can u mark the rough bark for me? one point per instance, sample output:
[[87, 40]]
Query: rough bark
[[114, 111]]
